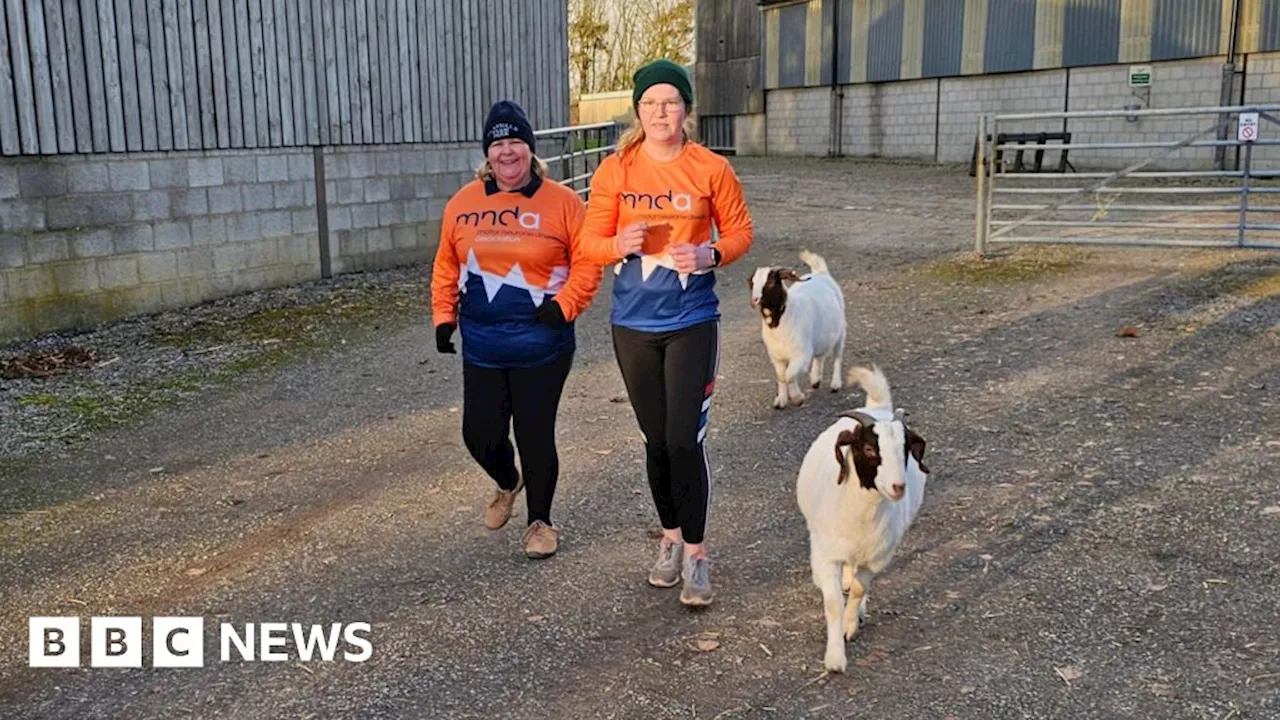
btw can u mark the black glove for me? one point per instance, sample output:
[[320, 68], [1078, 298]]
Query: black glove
[[444, 333], [550, 313]]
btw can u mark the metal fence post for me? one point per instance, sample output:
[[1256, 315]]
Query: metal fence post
[[1244, 192], [993, 155], [980, 205]]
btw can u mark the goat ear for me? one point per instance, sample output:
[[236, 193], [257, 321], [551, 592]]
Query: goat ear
[[915, 446], [845, 439], [788, 274]]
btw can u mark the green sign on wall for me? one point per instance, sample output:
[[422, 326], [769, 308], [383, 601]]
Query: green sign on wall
[[1139, 76]]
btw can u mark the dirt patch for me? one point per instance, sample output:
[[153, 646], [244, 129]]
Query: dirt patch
[[1018, 264], [63, 389]]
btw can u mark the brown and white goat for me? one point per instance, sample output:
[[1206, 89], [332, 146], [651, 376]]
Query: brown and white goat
[[859, 488], [802, 324]]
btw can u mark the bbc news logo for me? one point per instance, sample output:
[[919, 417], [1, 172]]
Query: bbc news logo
[[179, 642]]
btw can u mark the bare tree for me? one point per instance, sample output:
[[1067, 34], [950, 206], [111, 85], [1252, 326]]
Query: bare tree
[[609, 39], [587, 33]]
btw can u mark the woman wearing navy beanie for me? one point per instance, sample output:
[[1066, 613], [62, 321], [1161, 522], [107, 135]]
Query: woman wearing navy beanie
[[510, 276]]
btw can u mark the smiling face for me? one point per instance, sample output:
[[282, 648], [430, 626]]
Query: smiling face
[[511, 160], [662, 113]]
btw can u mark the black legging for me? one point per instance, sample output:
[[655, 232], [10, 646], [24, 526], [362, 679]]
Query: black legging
[[492, 398], [670, 377]]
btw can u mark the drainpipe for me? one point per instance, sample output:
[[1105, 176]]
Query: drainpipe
[[1228, 81], [836, 147]]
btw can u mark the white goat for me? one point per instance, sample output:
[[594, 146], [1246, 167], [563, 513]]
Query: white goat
[[803, 324], [859, 488]]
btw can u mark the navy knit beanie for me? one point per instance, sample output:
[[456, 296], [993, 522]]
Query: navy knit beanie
[[507, 120]]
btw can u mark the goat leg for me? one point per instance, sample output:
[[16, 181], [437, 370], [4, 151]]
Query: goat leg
[[856, 609], [780, 372], [827, 574], [837, 371], [815, 373], [794, 368]]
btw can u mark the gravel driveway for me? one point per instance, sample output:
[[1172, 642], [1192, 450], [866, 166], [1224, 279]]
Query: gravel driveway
[[1101, 537]]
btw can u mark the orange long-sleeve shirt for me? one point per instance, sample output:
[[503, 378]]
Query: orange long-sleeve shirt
[[501, 256], [680, 199]]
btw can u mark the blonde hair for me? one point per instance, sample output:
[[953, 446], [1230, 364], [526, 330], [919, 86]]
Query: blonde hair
[[634, 135], [537, 167]]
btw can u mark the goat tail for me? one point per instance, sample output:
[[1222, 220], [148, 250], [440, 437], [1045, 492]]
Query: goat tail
[[815, 262], [873, 381]]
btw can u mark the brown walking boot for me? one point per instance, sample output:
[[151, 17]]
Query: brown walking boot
[[540, 540], [499, 510]]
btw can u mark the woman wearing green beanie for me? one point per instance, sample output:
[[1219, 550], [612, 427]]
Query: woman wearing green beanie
[[652, 207]]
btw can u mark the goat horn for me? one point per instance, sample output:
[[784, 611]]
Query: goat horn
[[863, 418]]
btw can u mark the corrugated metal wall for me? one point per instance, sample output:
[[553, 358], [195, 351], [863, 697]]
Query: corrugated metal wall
[[943, 37], [844, 64], [884, 41], [96, 76], [1185, 28], [1269, 30], [1011, 35], [1091, 32], [1073, 33], [791, 45]]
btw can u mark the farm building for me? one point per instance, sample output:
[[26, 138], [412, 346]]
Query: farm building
[[908, 78], [159, 153]]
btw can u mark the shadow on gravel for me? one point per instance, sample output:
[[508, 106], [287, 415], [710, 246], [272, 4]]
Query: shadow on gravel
[[1084, 424]]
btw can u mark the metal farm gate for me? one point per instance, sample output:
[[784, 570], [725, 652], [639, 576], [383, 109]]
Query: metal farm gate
[[1163, 195]]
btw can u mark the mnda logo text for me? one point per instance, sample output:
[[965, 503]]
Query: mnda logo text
[[526, 220], [678, 201], [178, 642]]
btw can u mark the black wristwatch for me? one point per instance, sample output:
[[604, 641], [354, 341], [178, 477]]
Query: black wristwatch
[[715, 257]]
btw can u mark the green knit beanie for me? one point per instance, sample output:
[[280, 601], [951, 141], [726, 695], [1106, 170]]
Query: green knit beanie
[[658, 72]]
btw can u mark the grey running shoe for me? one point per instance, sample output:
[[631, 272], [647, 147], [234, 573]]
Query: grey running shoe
[[665, 572], [697, 582]]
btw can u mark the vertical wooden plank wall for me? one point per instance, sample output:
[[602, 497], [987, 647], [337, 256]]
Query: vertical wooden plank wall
[[97, 76], [60, 73], [218, 65], [146, 84], [9, 132]]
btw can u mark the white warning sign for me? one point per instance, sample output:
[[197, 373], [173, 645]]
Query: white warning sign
[[1247, 127]]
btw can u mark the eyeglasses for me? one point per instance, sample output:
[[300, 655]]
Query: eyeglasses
[[651, 106]]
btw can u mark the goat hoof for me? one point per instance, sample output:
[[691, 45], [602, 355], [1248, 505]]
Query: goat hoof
[[835, 661], [815, 384]]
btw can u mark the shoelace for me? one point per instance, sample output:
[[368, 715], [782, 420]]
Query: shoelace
[[667, 551], [701, 572]]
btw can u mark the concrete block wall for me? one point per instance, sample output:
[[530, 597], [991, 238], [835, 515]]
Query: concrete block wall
[[750, 134], [799, 121], [1262, 87], [385, 203], [962, 100], [1188, 83], [891, 119], [938, 118], [90, 238]]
